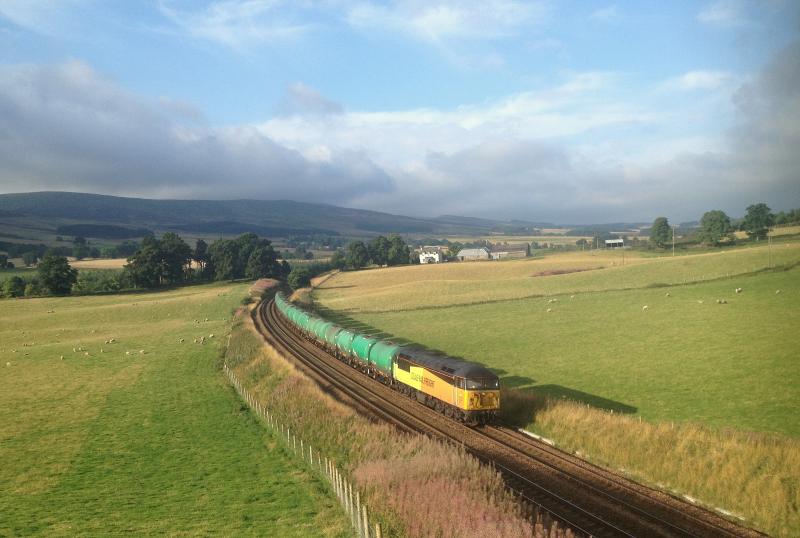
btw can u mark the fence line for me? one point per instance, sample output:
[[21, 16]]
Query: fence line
[[349, 497]]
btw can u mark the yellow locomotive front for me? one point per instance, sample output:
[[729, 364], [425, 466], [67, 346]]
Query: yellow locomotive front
[[458, 388]]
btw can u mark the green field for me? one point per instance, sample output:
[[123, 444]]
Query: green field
[[142, 435], [728, 364]]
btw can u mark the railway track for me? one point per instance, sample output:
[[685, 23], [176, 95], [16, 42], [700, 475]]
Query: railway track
[[589, 499]]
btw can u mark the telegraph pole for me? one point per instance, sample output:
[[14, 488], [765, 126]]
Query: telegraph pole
[[673, 240], [769, 248]]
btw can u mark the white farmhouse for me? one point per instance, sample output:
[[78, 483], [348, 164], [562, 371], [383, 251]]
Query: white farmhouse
[[430, 255]]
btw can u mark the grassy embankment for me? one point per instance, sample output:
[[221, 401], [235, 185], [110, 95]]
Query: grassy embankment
[[111, 440], [415, 486], [706, 366]]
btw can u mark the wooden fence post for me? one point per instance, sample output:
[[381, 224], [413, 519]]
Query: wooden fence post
[[365, 520]]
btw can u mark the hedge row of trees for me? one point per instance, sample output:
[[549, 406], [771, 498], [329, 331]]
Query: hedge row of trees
[[380, 251], [170, 260], [716, 227]]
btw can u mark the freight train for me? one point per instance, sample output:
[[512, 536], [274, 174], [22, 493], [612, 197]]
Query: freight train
[[462, 390]]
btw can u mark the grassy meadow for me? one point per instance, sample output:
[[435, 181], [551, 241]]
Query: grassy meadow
[[141, 435], [691, 394]]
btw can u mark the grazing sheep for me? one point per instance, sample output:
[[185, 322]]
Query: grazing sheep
[[86, 354], [700, 301], [549, 309], [8, 364], [181, 340], [571, 296], [62, 357], [141, 352], [667, 295], [738, 290], [211, 335], [777, 292], [127, 352], [722, 301], [205, 319], [645, 307]]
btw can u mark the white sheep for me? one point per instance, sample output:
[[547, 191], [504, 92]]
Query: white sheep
[[549, 309], [8, 364], [181, 340], [667, 295], [777, 292], [738, 290], [699, 301], [62, 357], [211, 335], [141, 352], [645, 307]]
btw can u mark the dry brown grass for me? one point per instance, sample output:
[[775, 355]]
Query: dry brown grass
[[99, 263], [415, 486], [741, 472], [432, 285]]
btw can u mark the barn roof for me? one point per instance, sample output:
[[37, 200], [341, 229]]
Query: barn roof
[[473, 252]]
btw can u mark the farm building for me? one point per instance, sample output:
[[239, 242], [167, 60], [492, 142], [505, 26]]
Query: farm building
[[516, 250], [615, 243], [430, 255], [472, 254]]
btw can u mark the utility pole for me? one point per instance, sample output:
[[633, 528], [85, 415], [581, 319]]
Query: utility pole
[[769, 248], [673, 240]]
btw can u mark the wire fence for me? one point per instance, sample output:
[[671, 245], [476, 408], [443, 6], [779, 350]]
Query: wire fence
[[349, 496]]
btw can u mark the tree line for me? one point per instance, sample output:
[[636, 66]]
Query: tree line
[[717, 228]]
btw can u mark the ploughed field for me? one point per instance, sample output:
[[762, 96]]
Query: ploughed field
[[141, 434], [704, 394]]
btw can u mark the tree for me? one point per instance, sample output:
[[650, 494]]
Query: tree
[[80, 251], [357, 255], [300, 277], [56, 274], [263, 263], [714, 226], [29, 259], [399, 253], [660, 233], [144, 266], [3, 261], [78, 240], [453, 248], [14, 287], [379, 250], [339, 260], [758, 220], [175, 258], [582, 242]]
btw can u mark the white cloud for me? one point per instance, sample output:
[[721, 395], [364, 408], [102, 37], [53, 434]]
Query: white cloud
[[606, 14], [699, 80], [446, 20], [42, 16], [239, 24], [723, 13], [66, 127]]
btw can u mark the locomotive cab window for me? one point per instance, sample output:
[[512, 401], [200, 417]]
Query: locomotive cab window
[[403, 365], [478, 384], [459, 382]]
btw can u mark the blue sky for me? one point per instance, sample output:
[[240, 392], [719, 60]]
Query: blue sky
[[557, 111]]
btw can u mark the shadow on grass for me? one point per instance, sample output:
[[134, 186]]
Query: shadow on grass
[[521, 399]]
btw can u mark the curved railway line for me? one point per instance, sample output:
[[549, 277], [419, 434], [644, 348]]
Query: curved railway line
[[587, 498]]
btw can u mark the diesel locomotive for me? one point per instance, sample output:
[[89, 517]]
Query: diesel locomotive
[[462, 390]]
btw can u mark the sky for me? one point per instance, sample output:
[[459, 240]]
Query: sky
[[545, 111]]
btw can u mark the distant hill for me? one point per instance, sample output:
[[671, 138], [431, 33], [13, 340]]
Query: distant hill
[[113, 216]]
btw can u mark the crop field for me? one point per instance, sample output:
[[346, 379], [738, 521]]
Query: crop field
[[557, 238], [140, 435], [100, 263]]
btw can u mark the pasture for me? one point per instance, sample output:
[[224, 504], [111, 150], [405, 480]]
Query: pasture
[[134, 431], [685, 357], [692, 395]]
